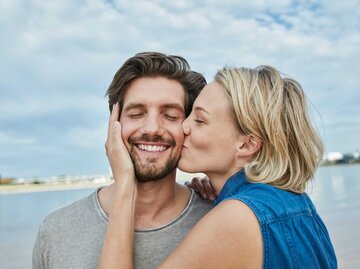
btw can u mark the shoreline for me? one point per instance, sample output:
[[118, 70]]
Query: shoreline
[[73, 185], [27, 188]]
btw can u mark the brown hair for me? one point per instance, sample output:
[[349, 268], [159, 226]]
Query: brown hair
[[155, 64]]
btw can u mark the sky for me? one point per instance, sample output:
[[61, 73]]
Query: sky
[[57, 59]]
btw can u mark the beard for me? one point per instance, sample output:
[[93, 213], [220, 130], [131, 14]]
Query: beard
[[151, 169]]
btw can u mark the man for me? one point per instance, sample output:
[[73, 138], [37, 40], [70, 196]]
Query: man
[[155, 93]]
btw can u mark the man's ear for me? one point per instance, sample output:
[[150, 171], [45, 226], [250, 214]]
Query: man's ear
[[248, 145]]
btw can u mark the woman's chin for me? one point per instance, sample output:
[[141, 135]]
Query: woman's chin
[[187, 167]]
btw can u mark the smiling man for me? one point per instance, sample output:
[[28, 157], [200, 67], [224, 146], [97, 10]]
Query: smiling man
[[155, 92], [152, 126]]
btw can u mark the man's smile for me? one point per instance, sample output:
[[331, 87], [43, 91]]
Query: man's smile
[[152, 148]]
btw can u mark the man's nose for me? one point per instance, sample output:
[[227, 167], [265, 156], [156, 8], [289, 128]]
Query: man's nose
[[152, 125]]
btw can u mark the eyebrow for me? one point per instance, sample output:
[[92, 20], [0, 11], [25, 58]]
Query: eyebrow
[[197, 108], [173, 106], [133, 106], [165, 106]]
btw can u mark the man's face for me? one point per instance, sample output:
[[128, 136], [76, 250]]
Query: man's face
[[151, 117]]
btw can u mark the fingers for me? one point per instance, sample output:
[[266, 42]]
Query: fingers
[[203, 187], [115, 112], [196, 182], [116, 136], [114, 140], [209, 190], [114, 117], [189, 185]]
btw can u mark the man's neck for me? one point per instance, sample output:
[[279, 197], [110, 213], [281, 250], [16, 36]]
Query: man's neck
[[157, 203]]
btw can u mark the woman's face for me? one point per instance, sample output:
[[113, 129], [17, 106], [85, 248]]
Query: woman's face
[[210, 135]]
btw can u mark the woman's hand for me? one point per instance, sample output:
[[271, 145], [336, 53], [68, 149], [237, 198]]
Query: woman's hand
[[203, 187], [116, 151]]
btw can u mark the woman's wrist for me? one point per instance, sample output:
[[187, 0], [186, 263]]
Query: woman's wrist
[[125, 186]]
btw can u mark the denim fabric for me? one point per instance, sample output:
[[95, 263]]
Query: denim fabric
[[293, 234]]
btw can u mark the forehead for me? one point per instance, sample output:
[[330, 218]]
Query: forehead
[[156, 91], [213, 98]]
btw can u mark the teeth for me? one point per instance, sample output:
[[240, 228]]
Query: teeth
[[152, 148]]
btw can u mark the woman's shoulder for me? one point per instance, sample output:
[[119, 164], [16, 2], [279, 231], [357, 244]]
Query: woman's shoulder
[[269, 202], [233, 212], [230, 228]]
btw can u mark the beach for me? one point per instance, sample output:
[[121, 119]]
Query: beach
[[25, 188], [73, 185]]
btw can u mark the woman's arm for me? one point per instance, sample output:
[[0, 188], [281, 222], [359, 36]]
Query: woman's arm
[[228, 236], [118, 244]]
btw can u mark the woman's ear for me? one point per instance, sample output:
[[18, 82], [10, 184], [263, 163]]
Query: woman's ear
[[248, 145]]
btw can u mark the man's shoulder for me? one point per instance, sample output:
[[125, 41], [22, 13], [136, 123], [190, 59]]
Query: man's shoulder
[[83, 209], [71, 236], [200, 205]]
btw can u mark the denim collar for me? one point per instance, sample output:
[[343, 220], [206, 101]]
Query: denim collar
[[232, 185]]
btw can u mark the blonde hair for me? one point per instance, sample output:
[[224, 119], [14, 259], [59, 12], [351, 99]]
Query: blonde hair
[[273, 108]]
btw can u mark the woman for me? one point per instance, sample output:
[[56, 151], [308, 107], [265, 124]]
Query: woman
[[250, 133]]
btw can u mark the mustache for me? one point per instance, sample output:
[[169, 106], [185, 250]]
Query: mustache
[[154, 139]]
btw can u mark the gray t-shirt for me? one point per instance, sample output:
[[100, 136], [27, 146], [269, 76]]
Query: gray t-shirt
[[72, 236]]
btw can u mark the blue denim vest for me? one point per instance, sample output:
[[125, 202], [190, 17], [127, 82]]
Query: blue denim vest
[[293, 234]]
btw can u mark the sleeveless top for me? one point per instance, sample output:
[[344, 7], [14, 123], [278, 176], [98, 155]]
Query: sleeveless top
[[293, 234]]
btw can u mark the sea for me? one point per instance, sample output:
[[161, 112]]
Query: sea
[[335, 192]]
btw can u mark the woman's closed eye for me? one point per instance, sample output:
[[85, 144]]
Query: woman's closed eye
[[199, 121]]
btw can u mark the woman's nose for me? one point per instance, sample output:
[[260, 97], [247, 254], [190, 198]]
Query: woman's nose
[[186, 127]]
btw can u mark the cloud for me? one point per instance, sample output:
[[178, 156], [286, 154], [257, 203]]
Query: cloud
[[10, 139], [58, 58]]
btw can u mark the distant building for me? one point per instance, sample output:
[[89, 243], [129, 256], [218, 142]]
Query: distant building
[[333, 156], [340, 158]]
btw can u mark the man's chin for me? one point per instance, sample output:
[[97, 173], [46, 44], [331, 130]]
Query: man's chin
[[147, 175], [150, 172]]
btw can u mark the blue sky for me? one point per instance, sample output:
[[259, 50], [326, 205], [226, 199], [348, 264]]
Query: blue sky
[[58, 58]]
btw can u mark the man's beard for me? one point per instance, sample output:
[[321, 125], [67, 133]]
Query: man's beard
[[149, 171]]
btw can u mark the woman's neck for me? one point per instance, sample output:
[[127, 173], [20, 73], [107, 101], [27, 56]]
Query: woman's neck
[[218, 180]]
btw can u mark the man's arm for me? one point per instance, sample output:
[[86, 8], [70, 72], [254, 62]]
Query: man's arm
[[228, 236]]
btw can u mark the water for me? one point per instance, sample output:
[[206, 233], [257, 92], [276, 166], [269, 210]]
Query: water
[[20, 217], [336, 194]]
